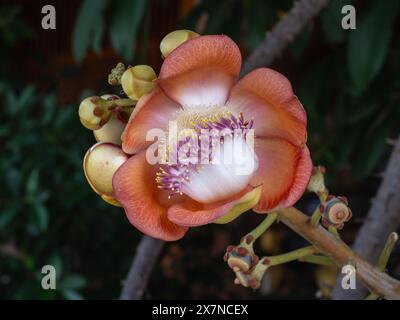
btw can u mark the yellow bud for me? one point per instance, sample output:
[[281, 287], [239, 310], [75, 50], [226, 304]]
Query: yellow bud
[[99, 164], [137, 81], [93, 114], [248, 201], [174, 39]]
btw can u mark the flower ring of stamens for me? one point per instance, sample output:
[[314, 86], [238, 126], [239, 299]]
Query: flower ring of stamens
[[177, 172], [172, 177]]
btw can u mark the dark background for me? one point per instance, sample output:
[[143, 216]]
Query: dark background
[[348, 81]]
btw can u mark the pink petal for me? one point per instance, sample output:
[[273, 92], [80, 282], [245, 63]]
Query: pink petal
[[201, 71], [284, 171], [191, 213], [301, 179], [267, 97], [135, 188], [153, 110]]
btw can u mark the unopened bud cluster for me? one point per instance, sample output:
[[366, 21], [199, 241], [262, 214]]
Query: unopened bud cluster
[[108, 115]]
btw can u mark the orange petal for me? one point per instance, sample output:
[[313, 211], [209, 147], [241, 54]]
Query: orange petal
[[267, 96], [301, 179], [191, 213], [153, 110], [284, 171], [135, 188], [201, 71]]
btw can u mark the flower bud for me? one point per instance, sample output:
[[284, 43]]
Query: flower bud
[[174, 39], [317, 183], [93, 113], [99, 164], [239, 262], [112, 130], [251, 278], [336, 212], [137, 81]]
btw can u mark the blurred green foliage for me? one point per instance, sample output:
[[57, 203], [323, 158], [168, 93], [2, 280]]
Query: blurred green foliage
[[49, 215], [124, 19], [348, 81], [351, 91]]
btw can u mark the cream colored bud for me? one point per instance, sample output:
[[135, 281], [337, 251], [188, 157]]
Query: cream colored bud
[[174, 39], [100, 163], [137, 81], [111, 131], [93, 114]]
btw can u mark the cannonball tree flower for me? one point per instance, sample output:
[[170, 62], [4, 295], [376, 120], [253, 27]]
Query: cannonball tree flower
[[198, 88]]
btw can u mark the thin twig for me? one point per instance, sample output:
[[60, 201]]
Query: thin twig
[[272, 46], [283, 33]]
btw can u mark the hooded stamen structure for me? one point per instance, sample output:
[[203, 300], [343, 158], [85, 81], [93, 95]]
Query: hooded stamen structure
[[188, 159]]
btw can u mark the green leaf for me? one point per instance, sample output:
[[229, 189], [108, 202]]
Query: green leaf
[[367, 110], [32, 182], [332, 21], [49, 108], [98, 36], [299, 44], [368, 44], [40, 217], [11, 103], [373, 147], [312, 89], [71, 294], [13, 178], [56, 261], [90, 15], [9, 212], [26, 97], [73, 282], [258, 15], [124, 23]]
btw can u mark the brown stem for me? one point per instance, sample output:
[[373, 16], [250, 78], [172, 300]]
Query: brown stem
[[143, 262], [283, 33], [382, 219], [325, 242]]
